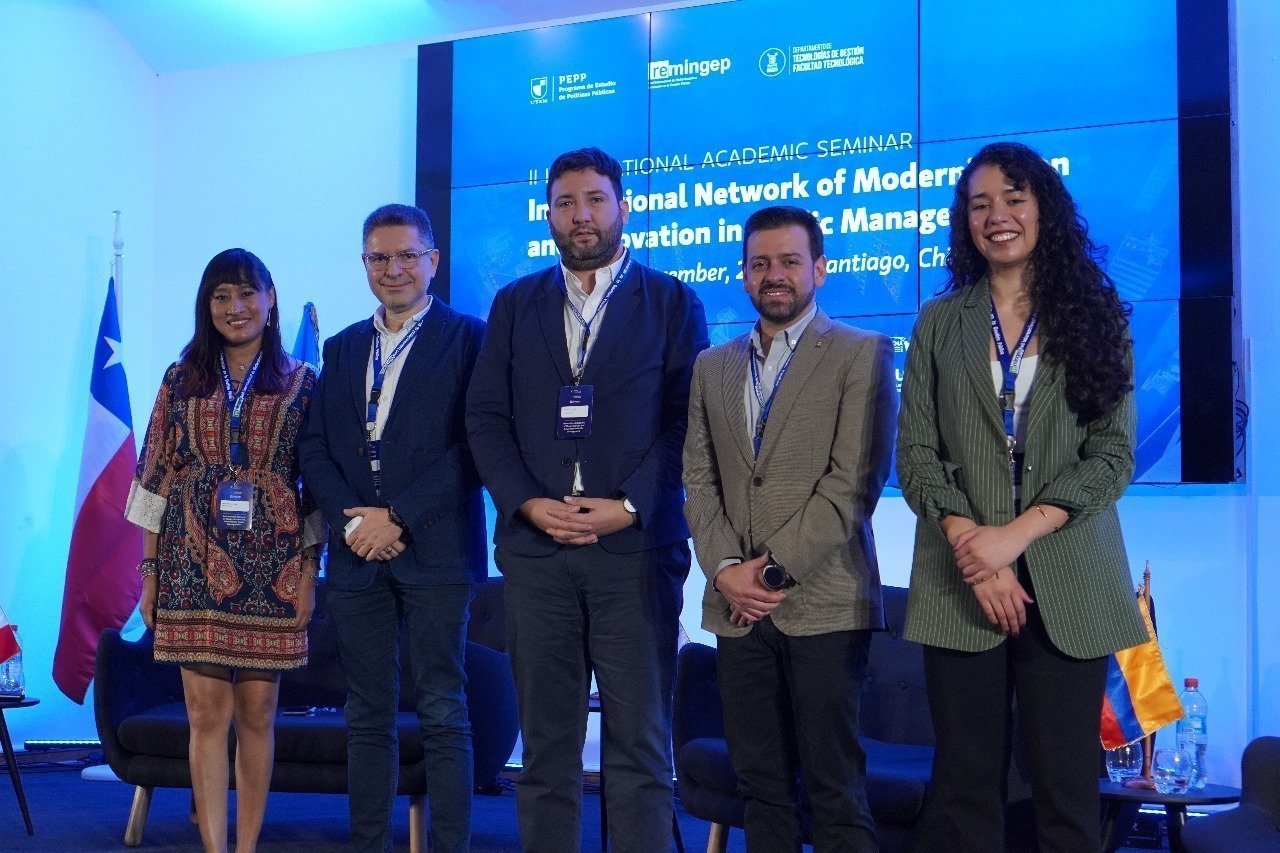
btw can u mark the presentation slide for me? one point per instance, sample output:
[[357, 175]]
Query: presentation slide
[[865, 114]]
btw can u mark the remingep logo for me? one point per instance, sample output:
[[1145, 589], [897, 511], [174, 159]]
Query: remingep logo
[[664, 73]]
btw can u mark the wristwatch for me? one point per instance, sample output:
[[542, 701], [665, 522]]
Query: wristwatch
[[405, 536], [631, 508], [775, 576]]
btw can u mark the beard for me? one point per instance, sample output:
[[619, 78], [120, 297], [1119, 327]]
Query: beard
[[783, 312], [591, 257]]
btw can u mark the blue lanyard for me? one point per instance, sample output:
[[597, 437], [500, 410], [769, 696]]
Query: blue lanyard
[[1010, 364], [375, 395], [235, 405], [757, 438], [585, 323]]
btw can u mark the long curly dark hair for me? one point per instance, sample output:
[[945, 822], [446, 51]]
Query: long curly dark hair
[[1084, 325], [199, 372]]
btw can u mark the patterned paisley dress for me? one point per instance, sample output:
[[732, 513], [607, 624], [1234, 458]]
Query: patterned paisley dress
[[226, 597]]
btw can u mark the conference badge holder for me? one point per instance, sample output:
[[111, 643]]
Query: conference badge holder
[[573, 418], [235, 506]]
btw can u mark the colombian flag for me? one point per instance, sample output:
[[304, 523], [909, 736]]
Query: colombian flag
[[1140, 696]]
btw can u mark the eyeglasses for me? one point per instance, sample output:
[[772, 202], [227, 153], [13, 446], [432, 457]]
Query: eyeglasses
[[408, 260]]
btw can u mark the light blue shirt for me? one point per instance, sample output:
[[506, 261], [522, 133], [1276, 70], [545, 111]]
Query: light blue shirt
[[768, 366]]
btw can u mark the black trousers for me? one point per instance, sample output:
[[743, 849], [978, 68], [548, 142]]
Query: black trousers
[[577, 611], [973, 698], [791, 705]]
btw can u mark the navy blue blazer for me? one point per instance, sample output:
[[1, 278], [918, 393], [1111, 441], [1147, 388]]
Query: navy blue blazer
[[640, 369], [427, 471]]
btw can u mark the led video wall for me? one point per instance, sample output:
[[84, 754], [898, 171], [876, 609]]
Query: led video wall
[[865, 113]]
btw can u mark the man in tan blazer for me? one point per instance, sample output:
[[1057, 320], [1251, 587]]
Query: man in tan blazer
[[790, 431]]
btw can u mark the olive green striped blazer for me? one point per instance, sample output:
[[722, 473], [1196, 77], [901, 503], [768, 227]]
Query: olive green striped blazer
[[952, 459]]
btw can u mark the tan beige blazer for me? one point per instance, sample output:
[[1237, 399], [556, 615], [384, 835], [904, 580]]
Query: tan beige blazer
[[809, 496]]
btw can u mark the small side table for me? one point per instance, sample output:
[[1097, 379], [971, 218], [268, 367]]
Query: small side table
[[1115, 796], [11, 759]]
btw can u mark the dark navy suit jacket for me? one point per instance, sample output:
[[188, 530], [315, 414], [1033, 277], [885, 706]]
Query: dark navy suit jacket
[[640, 368], [427, 471]]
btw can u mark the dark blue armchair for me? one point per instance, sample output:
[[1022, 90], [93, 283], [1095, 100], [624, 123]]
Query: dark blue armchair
[[896, 732], [142, 721], [1254, 825]]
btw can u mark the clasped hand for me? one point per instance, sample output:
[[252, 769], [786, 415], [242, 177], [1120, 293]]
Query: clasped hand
[[982, 551], [375, 538], [985, 556], [576, 520], [749, 599]]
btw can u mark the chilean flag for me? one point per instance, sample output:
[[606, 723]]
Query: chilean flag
[[103, 585], [8, 639]]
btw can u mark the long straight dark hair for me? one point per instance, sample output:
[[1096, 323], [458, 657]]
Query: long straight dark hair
[[199, 371]]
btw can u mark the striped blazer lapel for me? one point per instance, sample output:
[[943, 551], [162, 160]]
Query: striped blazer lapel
[[808, 355], [975, 330], [1044, 386], [734, 385]]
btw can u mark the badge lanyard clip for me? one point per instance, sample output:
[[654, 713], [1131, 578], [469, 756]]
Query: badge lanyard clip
[[372, 445], [583, 321], [1010, 364], [766, 406], [235, 407]]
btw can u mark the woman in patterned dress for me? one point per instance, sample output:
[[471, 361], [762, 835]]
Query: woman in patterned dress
[[1015, 440], [230, 566]]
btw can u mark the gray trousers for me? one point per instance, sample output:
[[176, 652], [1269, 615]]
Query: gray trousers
[[578, 611]]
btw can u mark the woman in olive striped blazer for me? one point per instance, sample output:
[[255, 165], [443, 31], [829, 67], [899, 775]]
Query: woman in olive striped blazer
[[1015, 440]]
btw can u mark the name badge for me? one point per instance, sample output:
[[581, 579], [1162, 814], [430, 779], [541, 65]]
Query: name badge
[[235, 506], [573, 419]]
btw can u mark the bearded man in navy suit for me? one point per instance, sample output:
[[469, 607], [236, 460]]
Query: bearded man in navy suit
[[576, 415], [384, 454]]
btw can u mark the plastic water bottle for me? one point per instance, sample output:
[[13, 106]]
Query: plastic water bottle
[[12, 682], [1193, 729]]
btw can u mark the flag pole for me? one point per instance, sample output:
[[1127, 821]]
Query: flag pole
[[1148, 742]]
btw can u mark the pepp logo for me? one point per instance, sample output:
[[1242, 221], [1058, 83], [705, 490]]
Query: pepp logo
[[539, 89], [773, 62]]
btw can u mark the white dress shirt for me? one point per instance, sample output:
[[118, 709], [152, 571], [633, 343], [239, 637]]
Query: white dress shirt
[[390, 340], [591, 306]]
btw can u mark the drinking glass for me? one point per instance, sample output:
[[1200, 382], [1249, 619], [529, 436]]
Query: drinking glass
[[1124, 762], [1172, 771]]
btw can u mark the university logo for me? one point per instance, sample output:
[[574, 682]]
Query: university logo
[[539, 88], [773, 62]]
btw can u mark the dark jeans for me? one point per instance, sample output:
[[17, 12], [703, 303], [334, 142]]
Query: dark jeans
[[1059, 703], [366, 624], [791, 705], [575, 611]]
